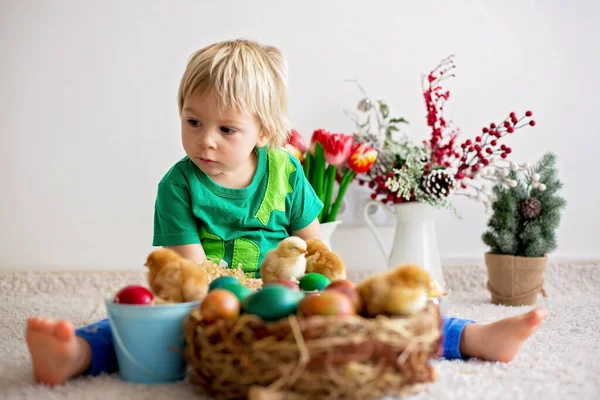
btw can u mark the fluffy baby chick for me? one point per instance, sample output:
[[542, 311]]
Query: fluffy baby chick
[[402, 291], [322, 261], [435, 289], [174, 278], [286, 261], [314, 245]]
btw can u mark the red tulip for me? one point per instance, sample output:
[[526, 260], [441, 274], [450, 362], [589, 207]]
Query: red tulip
[[297, 140], [320, 136], [362, 158], [337, 148], [293, 151]]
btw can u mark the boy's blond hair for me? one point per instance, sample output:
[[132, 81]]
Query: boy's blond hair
[[247, 77]]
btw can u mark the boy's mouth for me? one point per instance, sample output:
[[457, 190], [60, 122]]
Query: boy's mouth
[[206, 160]]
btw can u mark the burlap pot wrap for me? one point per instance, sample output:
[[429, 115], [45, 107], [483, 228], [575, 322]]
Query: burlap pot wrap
[[515, 281]]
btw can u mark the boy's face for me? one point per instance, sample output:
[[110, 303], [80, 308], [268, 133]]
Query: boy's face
[[220, 142]]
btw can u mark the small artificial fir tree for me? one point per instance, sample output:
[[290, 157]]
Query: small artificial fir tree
[[526, 214]]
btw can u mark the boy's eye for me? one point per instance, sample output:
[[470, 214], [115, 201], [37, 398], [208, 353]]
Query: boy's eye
[[193, 123], [227, 130]]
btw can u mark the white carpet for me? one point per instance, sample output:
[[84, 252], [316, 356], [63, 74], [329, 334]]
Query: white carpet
[[560, 361]]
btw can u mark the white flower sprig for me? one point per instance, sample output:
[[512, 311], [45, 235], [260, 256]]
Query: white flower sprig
[[498, 171]]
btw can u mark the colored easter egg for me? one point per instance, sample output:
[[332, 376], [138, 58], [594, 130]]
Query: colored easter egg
[[330, 302], [133, 294], [313, 281], [285, 282], [221, 281], [219, 304], [341, 283], [238, 289], [273, 302], [348, 291]]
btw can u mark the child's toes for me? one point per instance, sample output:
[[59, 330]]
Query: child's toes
[[31, 322], [46, 325], [35, 323], [63, 330], [537, 316]]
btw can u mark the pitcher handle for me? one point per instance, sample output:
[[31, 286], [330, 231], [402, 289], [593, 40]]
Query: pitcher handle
[[371, 225]]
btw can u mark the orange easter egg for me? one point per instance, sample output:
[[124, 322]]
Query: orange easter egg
[[347, 290], [219, 304], [341, 283], [330, 302]]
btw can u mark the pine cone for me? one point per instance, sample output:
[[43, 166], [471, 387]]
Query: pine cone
[[531, 207], [439, 183]]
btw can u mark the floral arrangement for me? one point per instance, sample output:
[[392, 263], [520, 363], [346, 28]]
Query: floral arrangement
[[433, 170], [330, 157]]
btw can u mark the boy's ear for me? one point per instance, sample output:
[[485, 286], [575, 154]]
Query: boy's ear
[[263, 138]]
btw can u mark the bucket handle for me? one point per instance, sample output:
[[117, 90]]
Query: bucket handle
[[131, 358]]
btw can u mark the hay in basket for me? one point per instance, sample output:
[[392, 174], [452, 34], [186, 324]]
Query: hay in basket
[[314, 357]]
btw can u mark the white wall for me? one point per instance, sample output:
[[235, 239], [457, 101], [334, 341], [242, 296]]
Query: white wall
[[88, 117]]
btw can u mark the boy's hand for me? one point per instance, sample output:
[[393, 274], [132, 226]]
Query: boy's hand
[[312, 231], [193, 252]]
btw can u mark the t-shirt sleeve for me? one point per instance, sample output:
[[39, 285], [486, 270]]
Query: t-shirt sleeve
[[174, 221], [306, 205]]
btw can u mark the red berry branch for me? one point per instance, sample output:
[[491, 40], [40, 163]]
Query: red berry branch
[[472, 154], [442, 139], [477, 154], [458, 163]]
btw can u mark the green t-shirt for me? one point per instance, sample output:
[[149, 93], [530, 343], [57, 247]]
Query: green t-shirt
[[238, 226]]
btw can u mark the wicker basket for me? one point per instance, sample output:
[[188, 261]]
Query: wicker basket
[[313, 357]]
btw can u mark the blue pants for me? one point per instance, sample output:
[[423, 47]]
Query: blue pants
[[104, 358]]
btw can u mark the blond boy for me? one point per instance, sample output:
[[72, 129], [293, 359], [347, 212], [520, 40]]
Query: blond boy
[[233, 197]]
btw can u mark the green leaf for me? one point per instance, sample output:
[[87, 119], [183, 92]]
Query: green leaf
[[389, 130], [366, 122], [398, 121], [307, 165], [384, 109], [399, 161]]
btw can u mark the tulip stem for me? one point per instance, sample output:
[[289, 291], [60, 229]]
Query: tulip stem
[[317, 174], [329, 183], [344, 183]]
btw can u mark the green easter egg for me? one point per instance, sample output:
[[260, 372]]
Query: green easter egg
[[223, 281], [238, 289], [273, 302], [313, 281]]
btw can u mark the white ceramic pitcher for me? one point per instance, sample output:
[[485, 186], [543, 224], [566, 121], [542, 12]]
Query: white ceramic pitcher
[[414, 239]]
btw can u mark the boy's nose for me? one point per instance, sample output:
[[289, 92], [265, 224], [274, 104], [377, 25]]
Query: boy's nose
[[208, 140]]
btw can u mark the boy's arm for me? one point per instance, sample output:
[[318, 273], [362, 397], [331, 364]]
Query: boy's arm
[[175, 226], [193, 252], [312, 231]]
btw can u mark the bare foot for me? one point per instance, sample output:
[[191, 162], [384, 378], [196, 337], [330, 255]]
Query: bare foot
[[500, 340], [56, 353]]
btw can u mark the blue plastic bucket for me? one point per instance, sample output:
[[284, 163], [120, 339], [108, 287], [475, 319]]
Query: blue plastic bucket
[[149, 340]]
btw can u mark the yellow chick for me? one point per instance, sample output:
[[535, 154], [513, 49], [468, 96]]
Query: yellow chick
[[400, 292], [286, 261], [435, 289], [314, 245], [322, 261], [174, 278]]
